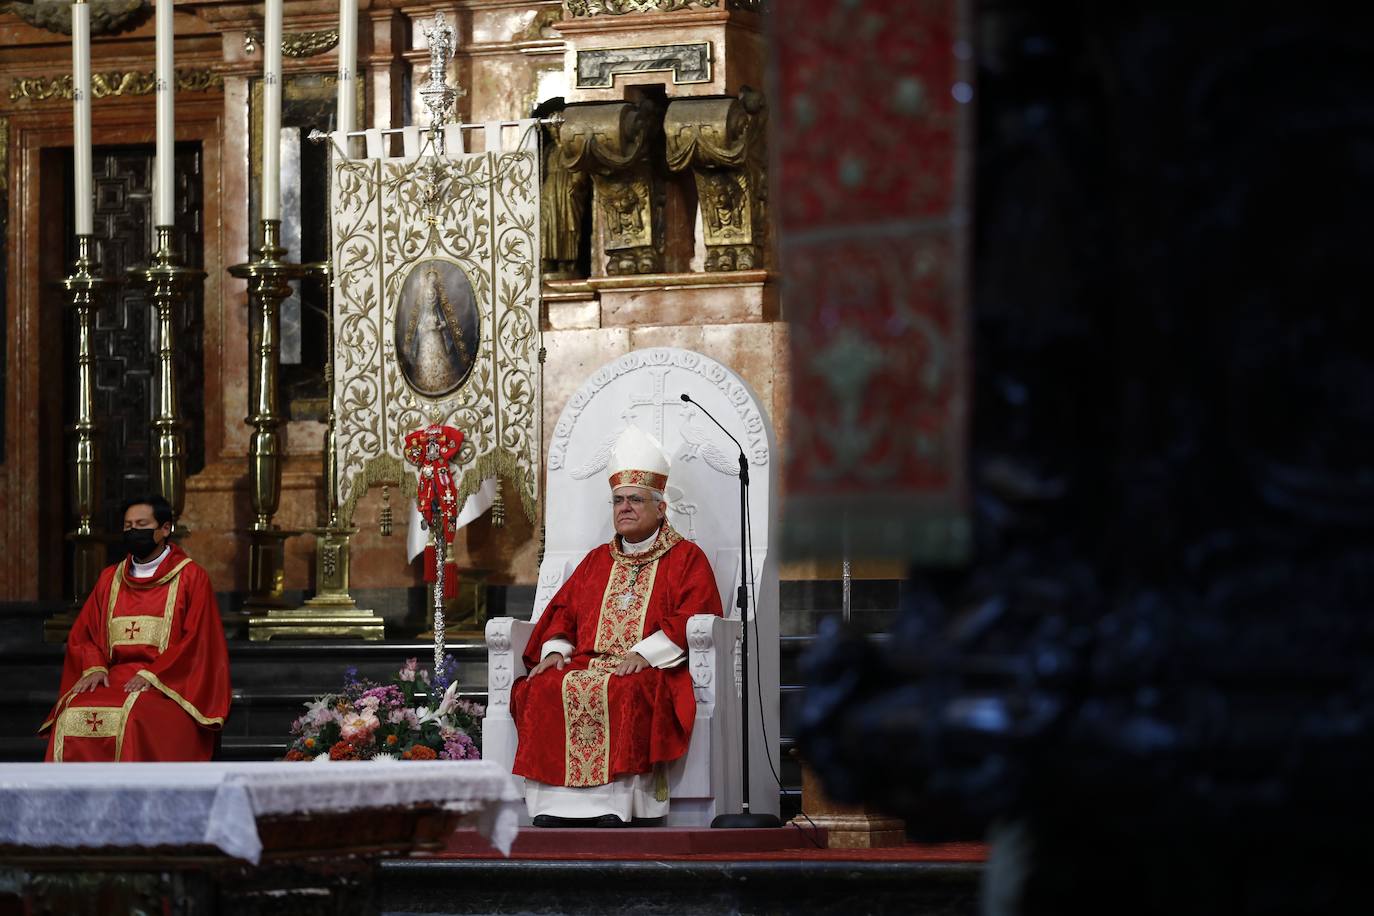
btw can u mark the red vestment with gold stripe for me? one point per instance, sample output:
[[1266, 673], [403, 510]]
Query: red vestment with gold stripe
[[165, 627], [583, 725]]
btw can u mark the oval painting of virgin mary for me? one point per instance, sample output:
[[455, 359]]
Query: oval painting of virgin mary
[[436, 328]]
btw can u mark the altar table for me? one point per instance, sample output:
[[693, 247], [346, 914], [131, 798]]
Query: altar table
[[222, 831]]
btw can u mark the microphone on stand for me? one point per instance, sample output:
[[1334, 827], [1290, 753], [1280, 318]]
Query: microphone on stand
[[743, 463], [745, 818]]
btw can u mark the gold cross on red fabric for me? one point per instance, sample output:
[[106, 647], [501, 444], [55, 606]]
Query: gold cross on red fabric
[[93, 721]]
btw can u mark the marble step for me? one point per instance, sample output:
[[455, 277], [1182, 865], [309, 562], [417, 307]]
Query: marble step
[[817, 887]]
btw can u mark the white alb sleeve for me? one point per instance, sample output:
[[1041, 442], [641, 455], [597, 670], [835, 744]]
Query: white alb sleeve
[[660, 651], [561, 646]]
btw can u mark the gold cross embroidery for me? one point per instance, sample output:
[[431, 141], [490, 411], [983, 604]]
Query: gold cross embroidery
[[93, 721]]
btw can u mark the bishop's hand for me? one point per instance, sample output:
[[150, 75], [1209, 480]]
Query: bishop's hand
[[552, 660], [633, 663]]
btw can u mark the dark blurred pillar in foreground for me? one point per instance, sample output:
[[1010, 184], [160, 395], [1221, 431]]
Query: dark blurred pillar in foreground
[[1155, 680]]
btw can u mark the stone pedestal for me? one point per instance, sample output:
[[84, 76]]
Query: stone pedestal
[[846, 826]]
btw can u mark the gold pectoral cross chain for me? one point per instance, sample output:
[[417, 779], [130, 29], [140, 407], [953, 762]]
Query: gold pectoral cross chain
[[627, 597]]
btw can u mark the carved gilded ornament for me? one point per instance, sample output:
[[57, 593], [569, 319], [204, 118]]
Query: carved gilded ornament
[[107, 16], [4, 154], [722, 141], [297, 44], [541, 26], [583, 8], [114, 82], [615, 143], [484, 221]]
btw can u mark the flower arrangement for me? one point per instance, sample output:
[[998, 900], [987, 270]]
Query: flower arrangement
[[415, 717]]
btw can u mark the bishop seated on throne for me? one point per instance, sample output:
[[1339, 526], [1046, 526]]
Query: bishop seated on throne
[[608, 703]]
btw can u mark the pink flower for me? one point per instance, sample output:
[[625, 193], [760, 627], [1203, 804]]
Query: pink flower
[[358, 727], [408, 672]]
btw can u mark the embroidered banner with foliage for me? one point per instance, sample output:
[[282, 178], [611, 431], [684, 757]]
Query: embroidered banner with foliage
[[436, 315]]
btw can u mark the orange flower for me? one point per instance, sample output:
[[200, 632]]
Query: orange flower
[[419, 752], [309, 744], [294, 755], [344, 750], [391, 740]]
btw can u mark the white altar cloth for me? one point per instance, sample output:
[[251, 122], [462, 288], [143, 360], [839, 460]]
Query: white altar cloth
[[217, 804]]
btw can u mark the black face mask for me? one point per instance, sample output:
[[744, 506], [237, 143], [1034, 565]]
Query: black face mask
[[139, 542]]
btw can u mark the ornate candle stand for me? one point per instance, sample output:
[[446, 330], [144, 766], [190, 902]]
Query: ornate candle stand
[[268, 284], [170, 283], [88, 551], [332, 612]]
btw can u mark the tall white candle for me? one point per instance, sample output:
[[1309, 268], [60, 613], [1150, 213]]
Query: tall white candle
[[166, 125], [81, 114], [346, 103], [271, 111]]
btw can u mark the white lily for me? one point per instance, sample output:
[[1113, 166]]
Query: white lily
[[424, 714], [450, 698]]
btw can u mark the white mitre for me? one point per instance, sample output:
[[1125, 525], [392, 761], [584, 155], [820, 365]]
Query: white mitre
[[638, 461]]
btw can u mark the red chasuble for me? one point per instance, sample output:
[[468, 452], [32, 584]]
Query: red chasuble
[[584, 726], [166, 628]]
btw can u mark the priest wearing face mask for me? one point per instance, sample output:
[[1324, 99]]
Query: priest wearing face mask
[[608, 703], [147, 670]]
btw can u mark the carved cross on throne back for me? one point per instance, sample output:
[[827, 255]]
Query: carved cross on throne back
[[658, 401]]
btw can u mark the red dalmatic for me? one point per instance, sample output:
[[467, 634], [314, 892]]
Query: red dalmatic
[[583, 725], [166, 628]]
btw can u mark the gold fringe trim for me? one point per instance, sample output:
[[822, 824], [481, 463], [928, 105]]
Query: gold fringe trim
[[386, 469], [392, 471], [500, 463], [181, 701]]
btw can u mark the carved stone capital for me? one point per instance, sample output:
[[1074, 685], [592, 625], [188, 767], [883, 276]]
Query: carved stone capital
[[619, 144], [722, 141]]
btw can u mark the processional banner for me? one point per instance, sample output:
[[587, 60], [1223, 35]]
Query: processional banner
[[436, 311]]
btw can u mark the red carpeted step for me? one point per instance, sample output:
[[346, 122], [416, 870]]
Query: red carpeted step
[[697, 844], [636, 842]]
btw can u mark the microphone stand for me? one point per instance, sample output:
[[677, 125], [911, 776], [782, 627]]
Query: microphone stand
[[745, 818]]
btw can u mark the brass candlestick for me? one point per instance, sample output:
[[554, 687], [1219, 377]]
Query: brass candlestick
[[88, 558], [170, 282], [268, 284], [332, 612]]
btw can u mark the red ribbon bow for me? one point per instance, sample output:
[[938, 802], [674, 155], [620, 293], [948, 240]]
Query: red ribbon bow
[[430, 449]]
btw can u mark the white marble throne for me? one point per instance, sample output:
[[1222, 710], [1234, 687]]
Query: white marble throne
[[644, 388]]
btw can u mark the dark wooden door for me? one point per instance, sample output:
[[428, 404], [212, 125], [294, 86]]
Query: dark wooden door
[[125, 333]]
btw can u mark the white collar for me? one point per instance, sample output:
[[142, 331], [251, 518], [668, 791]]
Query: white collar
[[144, 570], [642, 547]]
